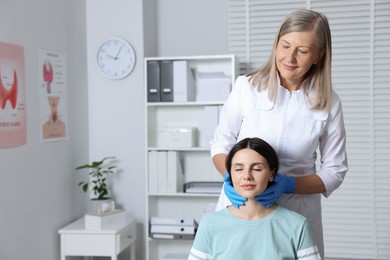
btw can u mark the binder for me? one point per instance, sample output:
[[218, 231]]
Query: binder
[[173, 221], [153, 77], [183, 82], [210, 123], [169, 229], [175, 178], [166, 81], [172, 236], [153, 172], [162, 171]]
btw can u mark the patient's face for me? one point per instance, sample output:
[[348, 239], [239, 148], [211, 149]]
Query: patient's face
[[250, 173]]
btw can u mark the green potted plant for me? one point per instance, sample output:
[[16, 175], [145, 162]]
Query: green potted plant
[[97, 180]]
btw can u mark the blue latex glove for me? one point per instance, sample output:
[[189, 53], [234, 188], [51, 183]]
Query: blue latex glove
[[282, 184], [236, 199]]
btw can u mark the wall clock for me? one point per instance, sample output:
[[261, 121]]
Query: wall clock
[[115, 58]]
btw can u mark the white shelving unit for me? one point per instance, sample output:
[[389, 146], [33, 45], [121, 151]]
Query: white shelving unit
[[196, 162]]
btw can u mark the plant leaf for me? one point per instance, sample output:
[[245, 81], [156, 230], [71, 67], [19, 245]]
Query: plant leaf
[[85, 187]]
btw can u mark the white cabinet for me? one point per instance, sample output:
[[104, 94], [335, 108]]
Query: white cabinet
[[76, 240], [195, 159]]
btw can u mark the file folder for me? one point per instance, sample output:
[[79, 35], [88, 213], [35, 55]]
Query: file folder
[[175, 178], [173, 221], [162, 171], [166, 83], [153, 171], [169, 229], [183, 82], [172, 236], [153, 77]]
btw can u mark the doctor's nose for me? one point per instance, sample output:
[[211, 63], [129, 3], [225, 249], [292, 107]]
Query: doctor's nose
[[291, 56]]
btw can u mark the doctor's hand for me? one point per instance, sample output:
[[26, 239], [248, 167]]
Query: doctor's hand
[[236, 199], [282, 184]]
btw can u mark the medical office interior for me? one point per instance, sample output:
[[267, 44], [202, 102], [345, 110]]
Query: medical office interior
[[105, 117]]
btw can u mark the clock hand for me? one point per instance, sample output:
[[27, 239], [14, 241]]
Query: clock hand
[[112, 57], [116, 57]]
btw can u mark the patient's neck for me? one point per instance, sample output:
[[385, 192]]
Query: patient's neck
[[251, 210]]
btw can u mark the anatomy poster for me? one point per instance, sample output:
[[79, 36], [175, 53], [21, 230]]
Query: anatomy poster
[[52, 93], [12, 96]]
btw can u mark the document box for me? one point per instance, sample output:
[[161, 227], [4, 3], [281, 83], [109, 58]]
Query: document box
[[177, 137]]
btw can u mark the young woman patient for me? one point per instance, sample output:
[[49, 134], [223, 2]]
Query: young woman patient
[[253, 231]]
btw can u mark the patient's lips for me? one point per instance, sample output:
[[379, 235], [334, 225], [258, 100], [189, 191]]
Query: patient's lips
[[9, 95], [248, 186]]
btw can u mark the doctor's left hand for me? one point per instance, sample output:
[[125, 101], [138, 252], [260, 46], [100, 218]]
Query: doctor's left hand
[[282, 184]]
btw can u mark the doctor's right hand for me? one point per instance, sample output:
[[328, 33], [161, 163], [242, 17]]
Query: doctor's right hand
[[236, 199]]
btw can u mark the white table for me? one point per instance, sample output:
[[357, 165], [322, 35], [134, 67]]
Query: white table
[[76, 240]]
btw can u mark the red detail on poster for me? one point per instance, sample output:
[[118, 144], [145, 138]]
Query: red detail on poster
[[9, 95], [12, 96]]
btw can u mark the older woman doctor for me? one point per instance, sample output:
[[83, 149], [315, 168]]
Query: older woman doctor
[[289, 102]]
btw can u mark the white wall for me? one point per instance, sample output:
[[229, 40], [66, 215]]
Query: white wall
[[38, 187], [38, 191], [116, 107], [192, 27]]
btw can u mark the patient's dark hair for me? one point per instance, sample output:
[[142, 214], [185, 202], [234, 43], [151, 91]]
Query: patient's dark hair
[[258, 145]]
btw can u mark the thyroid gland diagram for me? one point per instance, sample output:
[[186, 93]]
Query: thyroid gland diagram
[[48, 74], [9, 94]]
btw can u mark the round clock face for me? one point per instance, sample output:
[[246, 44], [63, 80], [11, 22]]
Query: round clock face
[[115, 58]]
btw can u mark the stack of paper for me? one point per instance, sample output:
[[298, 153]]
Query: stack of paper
[[212, 86], [173, 228], [203, 187]]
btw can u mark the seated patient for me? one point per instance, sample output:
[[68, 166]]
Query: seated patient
[[252, 231]]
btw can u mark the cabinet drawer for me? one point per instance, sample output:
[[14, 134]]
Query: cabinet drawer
[[126, 237], [87, 244]]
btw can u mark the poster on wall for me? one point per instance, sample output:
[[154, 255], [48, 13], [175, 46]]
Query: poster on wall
[[52, 95], [12, 96]]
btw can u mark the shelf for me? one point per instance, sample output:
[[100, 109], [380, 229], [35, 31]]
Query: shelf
[[180, 149], [181, 195], [210, 58], [190, 163], [169, 104]]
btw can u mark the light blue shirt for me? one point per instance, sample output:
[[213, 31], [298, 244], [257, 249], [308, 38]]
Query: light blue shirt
[[283, 234]]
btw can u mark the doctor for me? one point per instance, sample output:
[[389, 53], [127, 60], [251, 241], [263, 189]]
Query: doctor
[[289, 102]]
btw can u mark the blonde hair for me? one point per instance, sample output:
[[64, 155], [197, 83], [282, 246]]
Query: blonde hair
[[317, 82]]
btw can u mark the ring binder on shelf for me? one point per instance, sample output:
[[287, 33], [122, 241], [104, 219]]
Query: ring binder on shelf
[[173, 221]]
